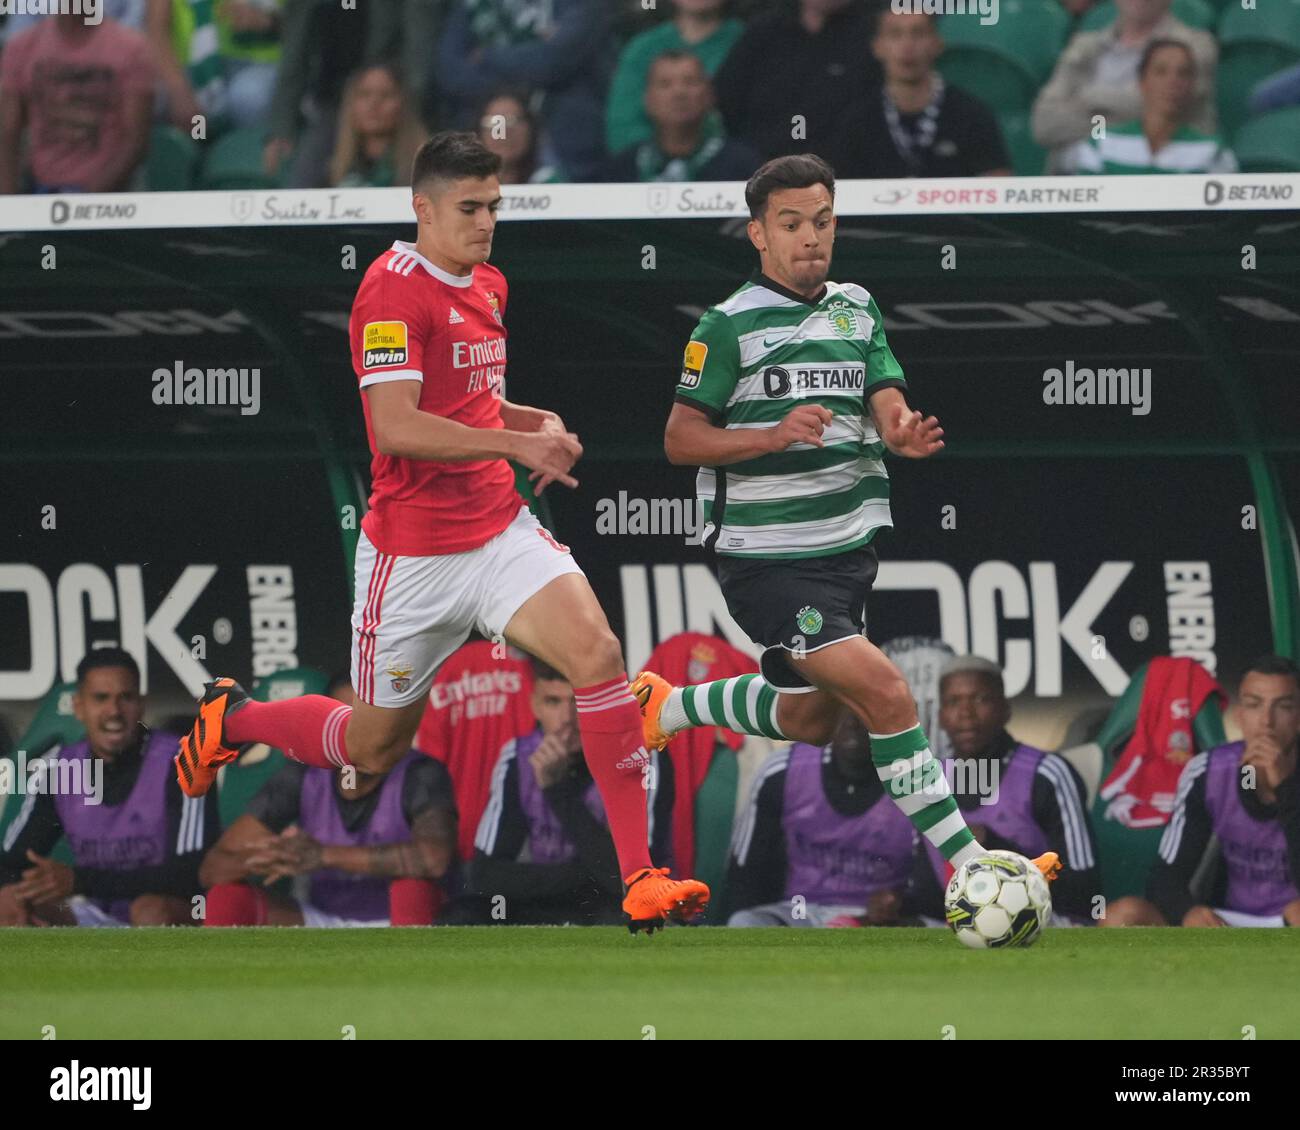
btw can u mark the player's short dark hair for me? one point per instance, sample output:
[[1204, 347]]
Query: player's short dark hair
[[544, 672], [1155, 45], [452, 155], [107, 657], [674, 55], [1274, 665], [798, 170]]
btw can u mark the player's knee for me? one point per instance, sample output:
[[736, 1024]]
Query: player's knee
[[150, 910], [1131, 911], [600, 660]]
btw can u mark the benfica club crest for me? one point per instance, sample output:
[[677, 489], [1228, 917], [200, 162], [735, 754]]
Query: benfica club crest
[[703, 657], [495, 303], [401, 677]]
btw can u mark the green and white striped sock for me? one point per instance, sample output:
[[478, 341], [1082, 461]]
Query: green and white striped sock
[[914, 779], [744, 703]]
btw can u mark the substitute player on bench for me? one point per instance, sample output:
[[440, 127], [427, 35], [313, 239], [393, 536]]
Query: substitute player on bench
[[448, 545]]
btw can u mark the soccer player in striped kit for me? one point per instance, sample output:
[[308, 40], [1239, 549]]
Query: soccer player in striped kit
[[788, 399], [448, 546]]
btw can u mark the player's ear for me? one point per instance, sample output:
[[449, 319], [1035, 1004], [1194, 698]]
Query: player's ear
[[756, 236]]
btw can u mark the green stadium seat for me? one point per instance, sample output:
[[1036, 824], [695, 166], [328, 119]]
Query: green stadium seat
[[1270, 143], [715, 810], [1004, 63], [240, 780], [173, 157], [234, 161], [1253, 44], [53, 725], [1027, 156], [1194, 13]]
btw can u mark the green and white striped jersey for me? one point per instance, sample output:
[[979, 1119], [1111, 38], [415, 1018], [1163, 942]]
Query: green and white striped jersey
[[1126, 150], [752, 359]]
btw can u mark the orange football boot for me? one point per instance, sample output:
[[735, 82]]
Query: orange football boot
[[1049, 863], [653, 899], [203, 750], [651, 693]]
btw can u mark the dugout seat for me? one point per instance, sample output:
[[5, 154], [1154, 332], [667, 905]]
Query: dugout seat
[[1194, 13], [234, 161], [1270, 143], [53, 726], [1126, 854], [239, 781], [1253, 44], [1004, 63], [172, 161]]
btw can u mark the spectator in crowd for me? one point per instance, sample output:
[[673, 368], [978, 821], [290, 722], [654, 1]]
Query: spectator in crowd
[[322, 43], [555, 49], [379, 131], [1014, 797], [688, 143], [914, 124], [1097, 75], [216, 59], [509, 128], [819, 839], [543, 844], [785, 84], [136, 840], [370, 846], [1243, 799], [698, 26], [1276, 92], [83, 94], [1160, 141]]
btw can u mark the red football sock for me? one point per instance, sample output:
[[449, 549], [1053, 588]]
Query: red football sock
[[413, 902], [235, 904], [309, 729], [610, 724]]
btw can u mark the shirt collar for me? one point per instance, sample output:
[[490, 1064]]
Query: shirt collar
[[760, 279], [400, 245]]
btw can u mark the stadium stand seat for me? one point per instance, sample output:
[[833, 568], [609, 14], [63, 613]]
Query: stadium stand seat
[[173, 158], [240, 780], [1194, 13], [715, 812], [1253, 44], [1006, 62], [1270, 143], [1027, 156], [234, 161], [53, 725]]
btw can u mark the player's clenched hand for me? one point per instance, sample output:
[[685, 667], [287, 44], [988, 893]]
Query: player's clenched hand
[[803, 424], [293, 852], [47, 881], [1274, 763], [912, 434], [549, 456]]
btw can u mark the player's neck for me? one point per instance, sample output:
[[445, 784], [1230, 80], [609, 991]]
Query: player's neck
[[1159, 129], [679, 140], [911, 96], [441, 261], [814, 295]]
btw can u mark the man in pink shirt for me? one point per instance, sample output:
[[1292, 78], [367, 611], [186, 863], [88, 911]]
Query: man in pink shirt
[[84, 93]]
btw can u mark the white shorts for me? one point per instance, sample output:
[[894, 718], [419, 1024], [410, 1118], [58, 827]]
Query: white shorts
[[1241, 918], [411, 613], [87, 912]]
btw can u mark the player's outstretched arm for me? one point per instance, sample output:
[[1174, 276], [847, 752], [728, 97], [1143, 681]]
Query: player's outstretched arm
[[904, 431], [692, 439], [403, 430]]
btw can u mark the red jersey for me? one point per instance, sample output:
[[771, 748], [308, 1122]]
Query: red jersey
[[411, 320]]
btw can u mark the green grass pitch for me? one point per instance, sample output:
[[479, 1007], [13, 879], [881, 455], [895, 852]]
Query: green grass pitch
[[520, 982]]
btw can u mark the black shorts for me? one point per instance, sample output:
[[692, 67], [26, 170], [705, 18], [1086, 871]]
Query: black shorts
[[798, 605]]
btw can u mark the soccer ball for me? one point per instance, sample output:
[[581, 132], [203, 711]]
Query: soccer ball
[[997, 899]]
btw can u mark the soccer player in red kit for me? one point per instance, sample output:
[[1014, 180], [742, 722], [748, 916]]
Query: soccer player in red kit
[[448, 546]]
